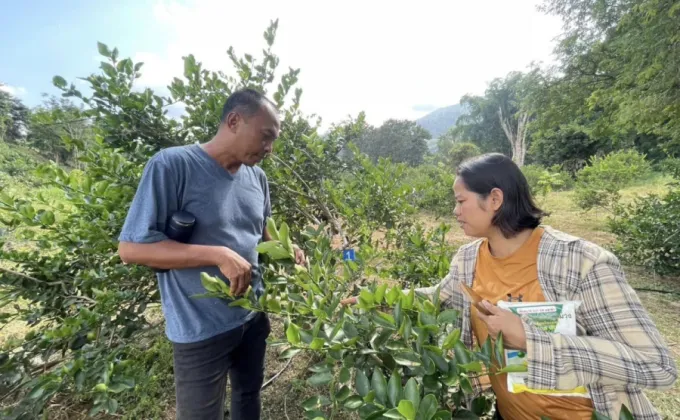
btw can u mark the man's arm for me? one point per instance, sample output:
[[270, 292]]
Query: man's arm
[[168, 254]]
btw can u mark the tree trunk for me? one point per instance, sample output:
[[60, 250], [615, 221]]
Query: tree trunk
[[517, 138]]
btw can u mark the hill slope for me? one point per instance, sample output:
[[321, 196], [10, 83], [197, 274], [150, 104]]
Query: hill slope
[[440, 120]]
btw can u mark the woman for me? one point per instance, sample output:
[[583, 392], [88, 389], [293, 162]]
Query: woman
[[618, 351]]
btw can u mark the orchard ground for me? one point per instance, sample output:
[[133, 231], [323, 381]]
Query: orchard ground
[[282, 398]]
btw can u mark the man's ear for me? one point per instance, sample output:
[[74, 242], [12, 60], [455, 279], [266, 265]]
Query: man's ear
[[232, 121], [496, 199]]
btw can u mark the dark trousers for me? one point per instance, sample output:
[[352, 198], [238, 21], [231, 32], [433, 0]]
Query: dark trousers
[[201, 371]]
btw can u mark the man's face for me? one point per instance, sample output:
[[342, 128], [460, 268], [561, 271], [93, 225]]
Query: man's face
[[255, 135]]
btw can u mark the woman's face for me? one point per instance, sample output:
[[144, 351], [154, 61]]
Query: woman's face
[[474, 213]]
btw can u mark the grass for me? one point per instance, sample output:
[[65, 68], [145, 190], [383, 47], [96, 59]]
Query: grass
[[282, 400]]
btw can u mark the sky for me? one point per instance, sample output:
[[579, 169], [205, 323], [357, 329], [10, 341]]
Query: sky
[[390, 59]]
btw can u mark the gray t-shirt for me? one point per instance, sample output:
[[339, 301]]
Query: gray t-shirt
[[230, 210]]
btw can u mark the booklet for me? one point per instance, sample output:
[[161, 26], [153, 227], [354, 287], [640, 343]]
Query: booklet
[[553, 317]]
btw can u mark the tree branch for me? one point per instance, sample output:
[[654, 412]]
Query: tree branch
[[27, 277], [322, 206]]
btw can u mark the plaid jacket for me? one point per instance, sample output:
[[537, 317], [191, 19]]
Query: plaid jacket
[[618, 350]]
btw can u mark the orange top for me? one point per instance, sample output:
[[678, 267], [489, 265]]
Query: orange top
[[515, 279]]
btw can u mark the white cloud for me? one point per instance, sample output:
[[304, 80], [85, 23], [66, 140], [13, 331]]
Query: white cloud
[[16, 91], [378, 56]]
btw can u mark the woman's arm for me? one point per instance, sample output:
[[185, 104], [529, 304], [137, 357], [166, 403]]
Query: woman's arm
[[623, 346]]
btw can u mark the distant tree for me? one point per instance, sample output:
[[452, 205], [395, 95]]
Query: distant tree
[[617, 76], [57, 124], [13, 117], [502, 114], [461, 152], [399, 140], [348, 131]]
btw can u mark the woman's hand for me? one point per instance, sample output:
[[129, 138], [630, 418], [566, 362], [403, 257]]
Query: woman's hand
[[506, 322]]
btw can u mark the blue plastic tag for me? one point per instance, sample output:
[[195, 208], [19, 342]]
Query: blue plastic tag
[[348, 254]]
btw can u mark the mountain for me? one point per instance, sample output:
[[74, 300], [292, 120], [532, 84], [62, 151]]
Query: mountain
[[440, 120]]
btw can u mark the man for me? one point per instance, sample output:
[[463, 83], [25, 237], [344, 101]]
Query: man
[[220, 185]]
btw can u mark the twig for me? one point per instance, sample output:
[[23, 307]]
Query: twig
[[85, 298], [285, 408], [15, 389], [323, 207], [271, 380], [27, 277]]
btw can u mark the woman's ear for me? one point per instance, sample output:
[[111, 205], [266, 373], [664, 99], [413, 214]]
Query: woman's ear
[[496, 199]]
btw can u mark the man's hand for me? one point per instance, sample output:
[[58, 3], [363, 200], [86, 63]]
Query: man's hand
[[237, 270], [299, 255], [506, 322], [349, 301]]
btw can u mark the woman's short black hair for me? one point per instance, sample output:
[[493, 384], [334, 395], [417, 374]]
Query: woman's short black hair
[[518, 212]]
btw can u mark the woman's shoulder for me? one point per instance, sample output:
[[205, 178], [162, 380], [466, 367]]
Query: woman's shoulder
[[587, 252]]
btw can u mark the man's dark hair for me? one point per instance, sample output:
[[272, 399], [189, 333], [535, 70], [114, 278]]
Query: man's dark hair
[[244, 101], [518, 212]]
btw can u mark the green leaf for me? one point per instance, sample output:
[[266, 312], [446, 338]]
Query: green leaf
[[426, 319], [599, 416], [408, 301], [288, 353], [451, 339], [480, 405], [342, 394], [117, 387], [393, 414], [412, 393], [406, 328], [317, 344], [379, 385], [362, 385], [103, 49], [448, 316], [344, 376], [499, 351], [59, 82], [475, 366], [625, 413], [384, 320], [319, 379], [393, 295], [394, 391], [407, 409], [353, 402], [442, 415], [462, 414], [210, 283], [427, 407], [465, 384], [366, 297], [271, 228], [461, 353], [407, 359], [284, 236], [380, 293], [274, 249], [315, 403], [398, 315]]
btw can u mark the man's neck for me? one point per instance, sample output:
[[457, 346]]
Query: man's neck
[[217, 149], [502, 247]]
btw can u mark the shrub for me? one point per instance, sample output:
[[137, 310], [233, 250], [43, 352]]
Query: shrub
[[543, 181], [648, 230], [599, 183], [431, 188], [460, 152]]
